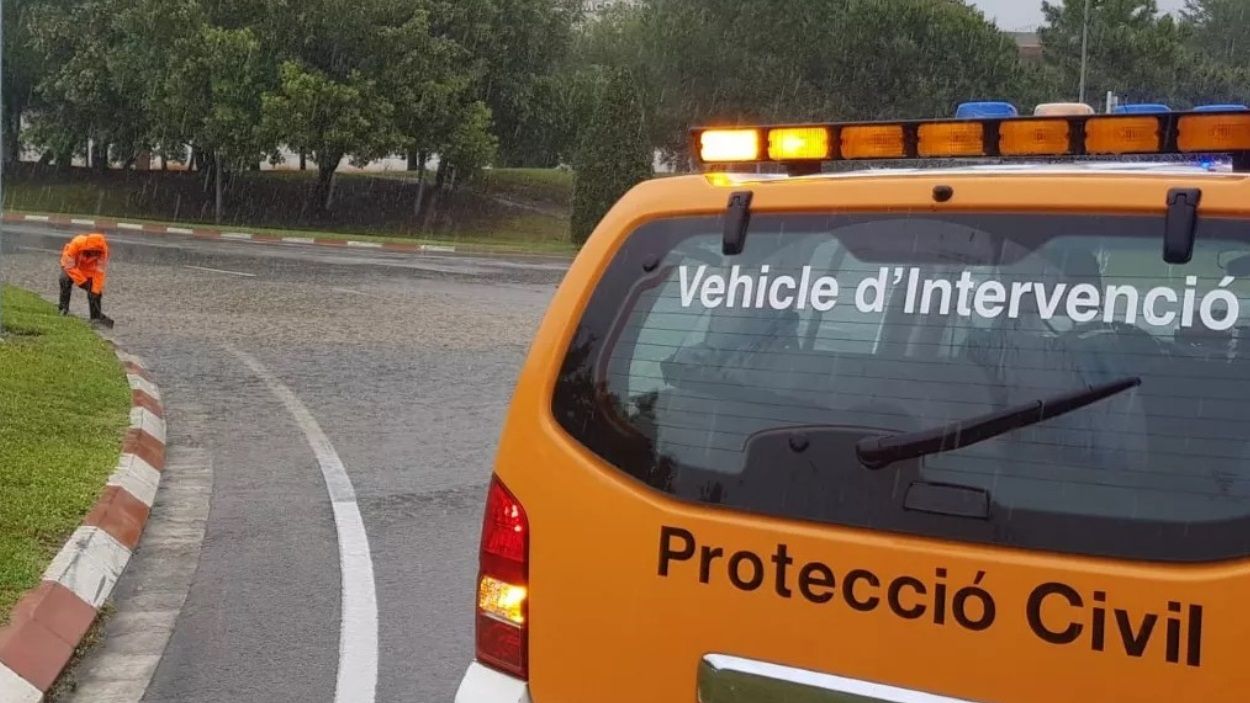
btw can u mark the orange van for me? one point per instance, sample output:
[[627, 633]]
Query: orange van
[[969, 433]]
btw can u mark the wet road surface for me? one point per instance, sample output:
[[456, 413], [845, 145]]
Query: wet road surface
[[405, 361]]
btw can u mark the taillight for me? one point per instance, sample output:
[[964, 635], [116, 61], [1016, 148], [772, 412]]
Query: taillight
[[503, 584]]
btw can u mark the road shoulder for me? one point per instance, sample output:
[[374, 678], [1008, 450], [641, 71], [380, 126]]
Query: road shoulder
[[150, 597]]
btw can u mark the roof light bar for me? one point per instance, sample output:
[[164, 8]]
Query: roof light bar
[[1217, 133], [729, 145], [802, 148], [874, 141], [799, 143], [1122, 135], [951, 139], [1034, 138]]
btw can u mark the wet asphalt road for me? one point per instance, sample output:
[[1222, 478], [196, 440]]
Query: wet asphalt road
[[406, 361]]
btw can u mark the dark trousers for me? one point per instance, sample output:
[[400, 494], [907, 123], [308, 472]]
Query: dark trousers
[[94, 300]]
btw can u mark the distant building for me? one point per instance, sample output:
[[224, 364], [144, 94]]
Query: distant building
[[1029, 45], [594, 7]]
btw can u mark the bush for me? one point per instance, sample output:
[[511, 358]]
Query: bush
[[613, 157]]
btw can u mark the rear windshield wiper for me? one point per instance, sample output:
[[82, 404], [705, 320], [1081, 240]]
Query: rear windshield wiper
[[881, 451]]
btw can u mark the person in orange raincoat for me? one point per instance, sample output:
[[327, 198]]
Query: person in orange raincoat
[[84, 262]]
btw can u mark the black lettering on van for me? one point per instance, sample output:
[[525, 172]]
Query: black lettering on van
[[939, 598], [735, 571], [1039, 595], [816, 575], [1174, 633], [1135, 642], [667, 551], [1194, 650], [989, 610], [863, 605], [894, 597], [1057, 613], [707, 555], [1098, 625], [782, 559]]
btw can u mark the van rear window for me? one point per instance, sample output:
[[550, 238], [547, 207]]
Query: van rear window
[[753, 382]]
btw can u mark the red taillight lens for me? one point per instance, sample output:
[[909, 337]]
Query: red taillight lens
[[505, 534], [501, 645], [503, 583]]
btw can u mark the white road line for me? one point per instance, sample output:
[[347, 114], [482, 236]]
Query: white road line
[[350, 291], [358, 631], [37, 218], [363, 245], [179, 230], [129, 225], [230, 273], [88, 223], [235, 235], [299, 240]]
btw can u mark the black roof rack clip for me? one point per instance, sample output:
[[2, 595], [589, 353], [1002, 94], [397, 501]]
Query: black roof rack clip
[[737, 219], [1181, 222]]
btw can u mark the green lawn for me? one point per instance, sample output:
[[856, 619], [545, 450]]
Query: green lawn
[[540, 186], [64, 405], [512, 209], [548, 186]]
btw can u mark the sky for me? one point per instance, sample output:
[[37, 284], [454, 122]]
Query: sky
[[1018, 15]]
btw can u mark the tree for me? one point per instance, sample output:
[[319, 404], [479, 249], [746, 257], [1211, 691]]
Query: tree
[[565, 103], [432, 80], [469, 145], [97, 84], [367, 78], [211, 98], [726, 61], [1219, 51], [1133, 50], [527, 40], [1219, 29], [328, 119], [22, 72], [79, 90], [915, 58], [614, 155]]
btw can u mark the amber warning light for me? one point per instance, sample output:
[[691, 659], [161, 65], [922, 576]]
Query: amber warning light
[[1055, 134]]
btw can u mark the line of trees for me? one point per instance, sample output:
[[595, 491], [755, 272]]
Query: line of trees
[[522, 82], [729, 61], [233, 81], [700, 61]]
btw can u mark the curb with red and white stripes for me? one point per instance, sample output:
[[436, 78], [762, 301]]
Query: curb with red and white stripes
[[49, 622], [203, 233]]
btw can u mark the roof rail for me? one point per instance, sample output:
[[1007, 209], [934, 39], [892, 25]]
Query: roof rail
[[803, 148]]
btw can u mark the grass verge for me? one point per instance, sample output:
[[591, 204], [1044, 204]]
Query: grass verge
[[463, 242], [510, 210], [64, 404]]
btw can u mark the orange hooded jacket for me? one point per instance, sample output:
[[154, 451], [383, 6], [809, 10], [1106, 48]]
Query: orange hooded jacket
[[79, 264]]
